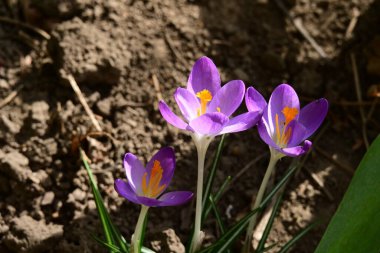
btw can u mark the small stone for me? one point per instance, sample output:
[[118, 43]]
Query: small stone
[[42, 178], [29, 235], [13, 127], [78, 194], [48, 198], [15, 165], [104, 106], [91, 205], [168, 241], [40, 116]]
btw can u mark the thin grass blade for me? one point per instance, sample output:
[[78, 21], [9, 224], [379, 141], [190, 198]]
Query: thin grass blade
[[225, 241], [211, 176], [106, 245], [268, 227], [290, 243], [217, 215], [112, 234], [217, 197]]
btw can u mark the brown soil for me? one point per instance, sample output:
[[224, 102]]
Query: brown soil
[[113, 48]]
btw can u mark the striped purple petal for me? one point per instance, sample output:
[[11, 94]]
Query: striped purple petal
[[312, 115], [204, 75], [298, 150], [209, 123], [241, 122], [125, 190], [228, 98], [175, 198], [254, 100], [283, 96], [170, 117], [134, 170], [187, 102]]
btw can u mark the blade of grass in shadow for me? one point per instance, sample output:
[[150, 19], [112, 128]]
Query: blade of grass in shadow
[[268, 227], [111, 247], [110, 231], [268, 248], [217, 197], [217, 215], [290, 243], [211, 175], [225, 241]]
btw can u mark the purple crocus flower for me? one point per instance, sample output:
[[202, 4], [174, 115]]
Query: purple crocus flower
[[146, 184], [206, 106], [283, 126]]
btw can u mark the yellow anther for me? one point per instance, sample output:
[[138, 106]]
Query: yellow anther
[[153, 189], [205, 97], [218, 109]]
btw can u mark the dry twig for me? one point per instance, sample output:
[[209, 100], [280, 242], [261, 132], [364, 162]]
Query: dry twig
[[353, 22], [157, 88], [82, 100], [297, 22], [173, 49], [247, 167], [11, 96], [37, 30], [359, 96], [345, 167]]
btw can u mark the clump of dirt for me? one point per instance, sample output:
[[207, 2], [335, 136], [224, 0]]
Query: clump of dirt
[[118, 51]]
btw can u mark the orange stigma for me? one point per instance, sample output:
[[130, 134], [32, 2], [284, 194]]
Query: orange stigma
[[289, 114], [153, 189], [283, 133], [205, 97]]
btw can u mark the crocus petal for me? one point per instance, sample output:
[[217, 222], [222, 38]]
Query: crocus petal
[[204, 75], [166, 157], [263, 129], [254, 100], [170, 117], [148, 201], [187, 102], [209, 123], [228, 98], [175, 198], [283, 96], [125, 190], [298, 150], [134, 170], [313, 114], [297, 134], [241, 122]]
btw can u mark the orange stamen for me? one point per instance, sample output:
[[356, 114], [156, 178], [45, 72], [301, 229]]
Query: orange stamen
[[153, 189], [205, 97], [278, 135], [289, 114], [283, 136]]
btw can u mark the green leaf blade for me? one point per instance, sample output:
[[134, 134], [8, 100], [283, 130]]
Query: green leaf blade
[[355, 227]]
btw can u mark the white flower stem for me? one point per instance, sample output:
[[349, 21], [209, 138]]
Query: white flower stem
[[272, 163], [136, 238], [201, 144]]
